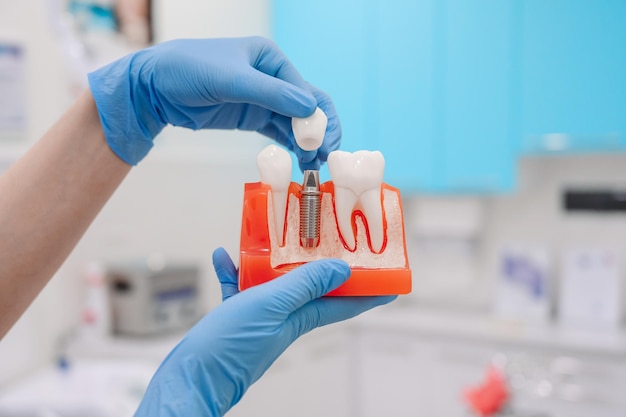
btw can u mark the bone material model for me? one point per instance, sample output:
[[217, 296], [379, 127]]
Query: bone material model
[[274, 165], [357, 178], [309, 131], [331, 244]]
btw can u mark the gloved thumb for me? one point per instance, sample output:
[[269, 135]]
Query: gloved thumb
[[307, 282], [329, 310], [226, 273]]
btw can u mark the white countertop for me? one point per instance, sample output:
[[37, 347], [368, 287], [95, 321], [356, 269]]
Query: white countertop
[[95, 388], [482, 327]]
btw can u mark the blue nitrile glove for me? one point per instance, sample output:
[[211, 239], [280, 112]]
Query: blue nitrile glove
[[233, 345], [232, 83]]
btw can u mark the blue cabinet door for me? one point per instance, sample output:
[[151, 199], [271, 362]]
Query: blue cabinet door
[[373, 58], [326, 44], [402, 81], [574, 75], [476, 94], [427, 82]]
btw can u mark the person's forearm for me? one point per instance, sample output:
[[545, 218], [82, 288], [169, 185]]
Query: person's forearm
[[48, 199]]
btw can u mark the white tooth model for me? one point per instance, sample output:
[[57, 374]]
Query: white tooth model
[[274, 165], [357, 178], [309, 131]]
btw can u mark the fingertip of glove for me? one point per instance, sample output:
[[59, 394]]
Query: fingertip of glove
[[303, 103], [385, 299], [217, 251], [310, 164], [338, 270], [340, 264], [220, 256]]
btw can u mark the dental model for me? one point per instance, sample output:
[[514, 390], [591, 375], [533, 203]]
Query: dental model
[[309, 134], [309, 131], [274, 165], [358, 178], [361, 222]]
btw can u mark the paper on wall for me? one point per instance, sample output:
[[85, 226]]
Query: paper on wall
[[13, 113]]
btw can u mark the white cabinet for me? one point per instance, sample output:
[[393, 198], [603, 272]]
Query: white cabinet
[[311, 379], [400, 374], [409, 372], [388, 364], [392, 376]]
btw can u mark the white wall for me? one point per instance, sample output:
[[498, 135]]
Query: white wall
[[183, 201], [464, 277], [30, 342], [211, 18], [535, 215]]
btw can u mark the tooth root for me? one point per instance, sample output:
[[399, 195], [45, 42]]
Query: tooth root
[[279, 203], [357, 178], [274, 165], [345, 200], [371, 205]]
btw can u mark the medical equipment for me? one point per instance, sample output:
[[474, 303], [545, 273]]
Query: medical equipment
[[153, 297]]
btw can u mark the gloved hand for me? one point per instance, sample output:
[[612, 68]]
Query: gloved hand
[[234, 83], [233, 345]]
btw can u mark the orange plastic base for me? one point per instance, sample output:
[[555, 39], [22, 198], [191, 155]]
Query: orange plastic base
[[255, 267]]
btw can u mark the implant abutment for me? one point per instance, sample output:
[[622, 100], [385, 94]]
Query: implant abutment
[[310, 209]]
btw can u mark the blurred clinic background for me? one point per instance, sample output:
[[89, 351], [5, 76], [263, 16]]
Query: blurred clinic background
[[502, 122]]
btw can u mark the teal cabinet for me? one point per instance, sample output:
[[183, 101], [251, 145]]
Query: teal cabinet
[[573, 76], [475, 89], [327, 45], [378, 75], [400, 78], [427, 82]]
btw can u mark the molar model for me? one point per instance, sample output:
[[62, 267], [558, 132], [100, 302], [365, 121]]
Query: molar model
[[361, 223]]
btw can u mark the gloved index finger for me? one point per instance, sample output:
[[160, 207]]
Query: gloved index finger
[[272, 93], [271, 60], [308, 282], [273, 82]]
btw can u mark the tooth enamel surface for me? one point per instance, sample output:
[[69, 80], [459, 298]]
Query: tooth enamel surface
[[357, 178], [274, 165], [309, 131]]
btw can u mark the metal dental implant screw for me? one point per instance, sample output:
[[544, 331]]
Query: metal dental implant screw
[[310, 209]]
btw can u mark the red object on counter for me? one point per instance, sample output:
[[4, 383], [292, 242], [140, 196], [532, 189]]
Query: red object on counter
[[490, 397], [254, 262]]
